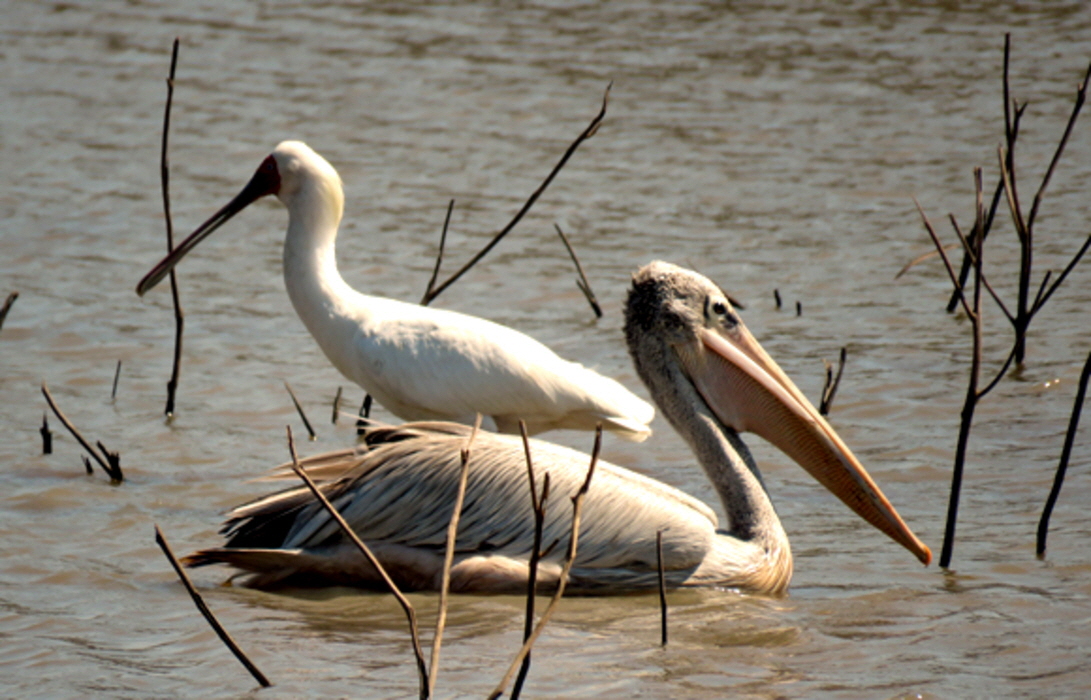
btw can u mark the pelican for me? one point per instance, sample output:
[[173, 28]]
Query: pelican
[[419, 363], [708, 376]]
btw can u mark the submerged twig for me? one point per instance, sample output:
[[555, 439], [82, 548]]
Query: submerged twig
[[566, 569], [47, 435], [587, 133], [363, 415], [117, 376], [448, 557], [7, 306], [111, 464], [299, 409], [407, 607], [164, 173], [582, 282], [662, 588], [1066, 451], [207, 613], [538, 506], [832, 382]]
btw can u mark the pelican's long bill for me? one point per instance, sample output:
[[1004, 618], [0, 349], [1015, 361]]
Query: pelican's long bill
[[748, 391], [265, 181]]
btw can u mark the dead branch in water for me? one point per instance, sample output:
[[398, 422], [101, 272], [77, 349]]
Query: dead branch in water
[[1026, 306], [336, 405], [299, 409], [109, 461], [407, 607], [582, 282], [47, 435], [7, 306], [569, 560], [662, 588], [538, 506], [448, 557], [207, 613], [434, 291], [164, 174], [832, 382], [1066, 451]]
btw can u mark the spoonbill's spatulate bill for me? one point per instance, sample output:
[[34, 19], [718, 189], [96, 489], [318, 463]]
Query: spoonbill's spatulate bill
[[709, 377], [418, 362]]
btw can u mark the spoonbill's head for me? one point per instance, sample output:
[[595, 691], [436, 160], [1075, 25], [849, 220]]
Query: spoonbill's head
[[697, 357], [293, 172]]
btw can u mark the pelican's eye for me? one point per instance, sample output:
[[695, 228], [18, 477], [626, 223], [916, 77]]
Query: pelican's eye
[[719, 312]]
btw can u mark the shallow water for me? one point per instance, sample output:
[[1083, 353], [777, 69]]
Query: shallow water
[[770, 146]]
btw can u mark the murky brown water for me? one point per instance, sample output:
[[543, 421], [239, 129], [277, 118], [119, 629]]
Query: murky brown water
[[768, 145]]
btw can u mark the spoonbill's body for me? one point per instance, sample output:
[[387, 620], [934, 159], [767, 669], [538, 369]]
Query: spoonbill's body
[[418, 362], [708, 376]]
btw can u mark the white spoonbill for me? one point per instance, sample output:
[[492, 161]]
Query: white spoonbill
[[709, 377], [420, 363]]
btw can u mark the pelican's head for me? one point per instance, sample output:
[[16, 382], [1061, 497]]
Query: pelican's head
[[690, 347]]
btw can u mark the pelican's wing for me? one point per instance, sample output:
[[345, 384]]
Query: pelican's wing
[[401, 493]]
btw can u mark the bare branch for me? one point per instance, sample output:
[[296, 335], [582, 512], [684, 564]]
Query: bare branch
[[407, 607], [110, 465], [439, 254], [299, 409], [207, 613], [164, 173], [587, 133], [582, 282]]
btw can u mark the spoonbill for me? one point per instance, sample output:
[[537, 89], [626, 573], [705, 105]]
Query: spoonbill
[[709, 377], [418, 362]]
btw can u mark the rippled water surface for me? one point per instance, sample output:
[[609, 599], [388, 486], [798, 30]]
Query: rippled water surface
[[771, 146]]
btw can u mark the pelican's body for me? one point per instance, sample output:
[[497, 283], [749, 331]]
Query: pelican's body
[[708, 377], [419, 363]]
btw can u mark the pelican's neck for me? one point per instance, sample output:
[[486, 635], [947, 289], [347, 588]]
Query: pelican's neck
[[724, 457]]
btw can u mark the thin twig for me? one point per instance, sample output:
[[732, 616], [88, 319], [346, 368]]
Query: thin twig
[[582, 282], [47, 435], [200, 603], [336, 404], [538, 505], [569, 560], [776, 296], [586, 134], [117, 376], [164, 173], [407, 607], [832, 382], [7, 306], [439, 254], [110, 465], [448, 558], [662, 588], [299, 409], [1066, 451], [363, 415]]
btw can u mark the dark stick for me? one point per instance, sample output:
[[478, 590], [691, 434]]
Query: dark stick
[[299, 409], [569, 560], [336, 404], [538, 505], [1066, 451], [365, 413], [448, 557], [439, 255], [7, 306], [662, 588], [164, 173], [799, 309], [113, 472], [204, 610], [587, 133], [582, 282], [47, 435], [832, 382], [407, 607], [117, 375], [776, 296]]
